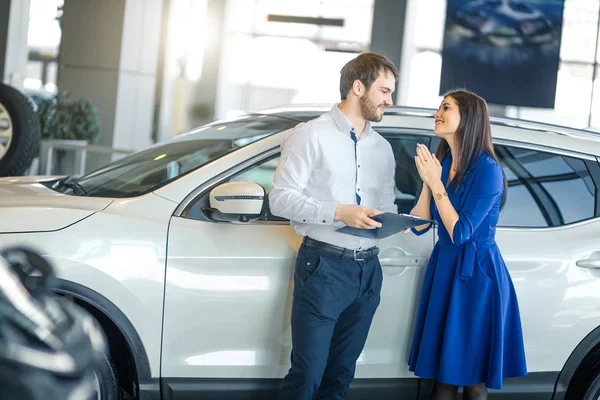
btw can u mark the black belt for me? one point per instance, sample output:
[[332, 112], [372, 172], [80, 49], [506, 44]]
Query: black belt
[[340, 252]]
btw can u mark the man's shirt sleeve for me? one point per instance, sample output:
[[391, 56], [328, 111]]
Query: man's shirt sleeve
[[299, 157]]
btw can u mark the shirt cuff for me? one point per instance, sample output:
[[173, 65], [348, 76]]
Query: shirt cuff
[[326, 213]]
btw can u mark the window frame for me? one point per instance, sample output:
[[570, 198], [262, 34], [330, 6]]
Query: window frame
[[186, 210], [201, 193], [592, 163], [398, 133]]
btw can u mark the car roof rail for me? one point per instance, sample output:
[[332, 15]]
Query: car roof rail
[[505, 121], [428, 112]]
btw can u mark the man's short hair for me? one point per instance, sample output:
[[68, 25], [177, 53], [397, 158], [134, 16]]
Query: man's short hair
[[366, 68]]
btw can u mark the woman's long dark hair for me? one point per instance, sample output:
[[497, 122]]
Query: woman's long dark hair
[[473, 136]]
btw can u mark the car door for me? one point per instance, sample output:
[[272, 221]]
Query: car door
[[548, 235], [404, 259], [229, 291]]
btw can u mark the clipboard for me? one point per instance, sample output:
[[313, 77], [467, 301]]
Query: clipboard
[[390, 224]]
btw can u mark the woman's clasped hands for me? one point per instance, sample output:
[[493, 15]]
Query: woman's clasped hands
[[428, 166]]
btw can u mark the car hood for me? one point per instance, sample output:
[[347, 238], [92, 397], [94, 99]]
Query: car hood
[[27, 205]]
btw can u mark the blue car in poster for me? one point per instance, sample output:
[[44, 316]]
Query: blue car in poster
[[502, 23]]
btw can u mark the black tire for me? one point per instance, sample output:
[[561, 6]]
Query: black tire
[[585, 384], [593, 390], [108, 380], [17, 114]]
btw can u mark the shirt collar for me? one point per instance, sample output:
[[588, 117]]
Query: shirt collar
[[344, 124]]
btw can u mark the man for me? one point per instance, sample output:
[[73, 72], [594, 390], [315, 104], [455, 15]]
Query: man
[[335, 171]]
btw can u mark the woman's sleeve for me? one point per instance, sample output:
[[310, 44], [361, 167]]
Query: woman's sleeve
[[423, 231], [484, 192], [426, 229]]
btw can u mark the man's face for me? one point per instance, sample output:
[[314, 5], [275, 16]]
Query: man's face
[[375, 100]]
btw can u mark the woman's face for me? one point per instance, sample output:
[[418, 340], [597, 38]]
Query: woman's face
[[447, 118]]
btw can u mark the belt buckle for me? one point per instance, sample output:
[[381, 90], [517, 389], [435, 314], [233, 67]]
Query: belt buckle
[[356, 258]]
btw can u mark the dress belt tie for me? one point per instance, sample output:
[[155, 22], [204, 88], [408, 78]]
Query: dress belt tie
[[468, 255]]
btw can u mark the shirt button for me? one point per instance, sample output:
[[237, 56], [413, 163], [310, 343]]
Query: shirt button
[[303, 220], [358, 165], [323, 221], [359, 189]]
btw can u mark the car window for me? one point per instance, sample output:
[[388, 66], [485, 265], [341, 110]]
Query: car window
[[160, 164], [261, 173], [408, 182], [545, 189]]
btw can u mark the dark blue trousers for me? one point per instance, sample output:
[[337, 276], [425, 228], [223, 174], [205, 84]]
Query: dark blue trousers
[[333, 306]]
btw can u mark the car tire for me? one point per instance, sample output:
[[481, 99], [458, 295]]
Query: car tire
[[593, 390], [107, 379], [585, 385], [19, 132]]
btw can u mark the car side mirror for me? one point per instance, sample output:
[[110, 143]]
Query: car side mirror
[[236, 202]]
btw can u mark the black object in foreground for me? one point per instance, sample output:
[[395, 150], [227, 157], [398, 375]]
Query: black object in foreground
[[50, 348], [390, 224]]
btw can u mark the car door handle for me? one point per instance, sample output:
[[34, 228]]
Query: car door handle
[[402, 261], [590, 263]]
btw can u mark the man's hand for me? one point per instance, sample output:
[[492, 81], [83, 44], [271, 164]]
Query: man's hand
[[357, 216]]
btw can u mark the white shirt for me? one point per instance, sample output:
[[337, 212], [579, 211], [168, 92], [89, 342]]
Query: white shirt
[[321, 167]]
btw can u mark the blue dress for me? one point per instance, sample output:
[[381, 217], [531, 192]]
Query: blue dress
[[468, 326]]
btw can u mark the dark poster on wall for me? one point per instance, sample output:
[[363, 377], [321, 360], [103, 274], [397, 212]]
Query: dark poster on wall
[[507, 51]]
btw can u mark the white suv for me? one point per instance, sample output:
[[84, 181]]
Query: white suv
[[196, 304]]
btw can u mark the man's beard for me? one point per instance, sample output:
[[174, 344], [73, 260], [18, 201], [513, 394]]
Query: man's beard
[[369, 109]]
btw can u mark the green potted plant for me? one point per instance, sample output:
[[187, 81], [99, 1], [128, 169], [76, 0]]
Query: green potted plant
[[64, 120]]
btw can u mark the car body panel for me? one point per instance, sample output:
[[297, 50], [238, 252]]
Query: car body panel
[[558, 300], [26, 205], [234, 284], [119, 253]]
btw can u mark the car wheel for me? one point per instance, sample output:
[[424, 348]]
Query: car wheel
[[19, 132], [106, 381], [593, 391], [585, 385]]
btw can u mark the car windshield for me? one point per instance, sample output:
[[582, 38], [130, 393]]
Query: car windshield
[[164, 162]]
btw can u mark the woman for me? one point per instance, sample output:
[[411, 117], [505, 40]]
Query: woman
[[468, 330]]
